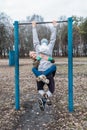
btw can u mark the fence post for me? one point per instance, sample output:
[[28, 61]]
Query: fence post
[[16, 42], [70, 66]]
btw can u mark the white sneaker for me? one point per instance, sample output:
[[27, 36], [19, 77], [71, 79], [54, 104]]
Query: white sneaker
[[41, 92], [42, 78], [49, 93]]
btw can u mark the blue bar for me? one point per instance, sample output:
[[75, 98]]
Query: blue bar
[[16, 42], [70, 66]]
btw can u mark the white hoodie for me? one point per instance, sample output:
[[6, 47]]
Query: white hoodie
[[44, 49]]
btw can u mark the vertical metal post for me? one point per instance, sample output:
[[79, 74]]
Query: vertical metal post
[[16, 42], [70, 66]]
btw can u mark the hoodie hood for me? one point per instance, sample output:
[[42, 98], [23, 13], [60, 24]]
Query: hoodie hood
[[44, 40]]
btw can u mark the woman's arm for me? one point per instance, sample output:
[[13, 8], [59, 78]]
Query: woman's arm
[[36, 42]]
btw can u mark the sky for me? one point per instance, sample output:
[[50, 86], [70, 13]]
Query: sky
[[48, 9]]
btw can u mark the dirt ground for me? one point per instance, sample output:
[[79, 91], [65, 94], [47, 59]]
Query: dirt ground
[[55, 117]]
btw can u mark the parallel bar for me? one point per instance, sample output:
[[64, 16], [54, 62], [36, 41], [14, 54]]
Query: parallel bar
[[70, 62], [70, 66], [41, 23], [16, 40]]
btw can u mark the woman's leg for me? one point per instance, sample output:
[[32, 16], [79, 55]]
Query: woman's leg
[[36, 72], [51, 84], [50, 70], [47, 72]]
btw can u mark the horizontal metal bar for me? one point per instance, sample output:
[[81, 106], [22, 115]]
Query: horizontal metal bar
[[42, 22]]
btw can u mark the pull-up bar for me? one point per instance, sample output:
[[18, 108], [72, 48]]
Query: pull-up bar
[[41, 23], [70, 63]]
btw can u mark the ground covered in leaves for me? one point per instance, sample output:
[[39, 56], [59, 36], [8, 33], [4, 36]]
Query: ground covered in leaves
[[55, 117]]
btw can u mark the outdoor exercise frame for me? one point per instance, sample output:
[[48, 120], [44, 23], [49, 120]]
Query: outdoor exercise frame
[[70, 62]]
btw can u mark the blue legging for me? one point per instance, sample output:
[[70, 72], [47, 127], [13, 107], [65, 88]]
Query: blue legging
[[46, 72]]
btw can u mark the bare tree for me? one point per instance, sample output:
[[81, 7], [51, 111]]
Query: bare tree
[[6, 34]]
